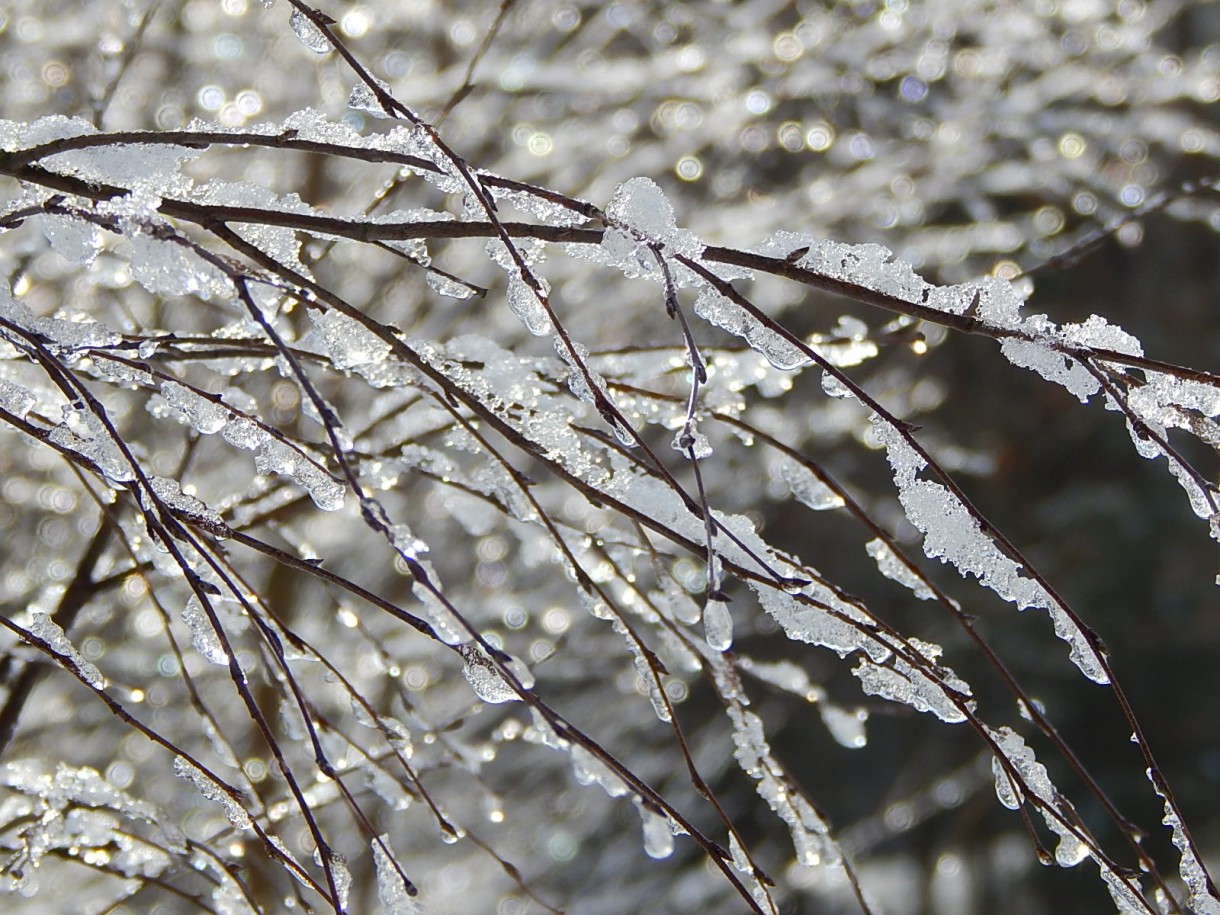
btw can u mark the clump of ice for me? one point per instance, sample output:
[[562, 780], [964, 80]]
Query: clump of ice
[[1034, 780], [308, 33], [954, 535]]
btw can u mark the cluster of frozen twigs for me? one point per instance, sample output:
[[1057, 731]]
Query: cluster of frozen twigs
[[287, 630]]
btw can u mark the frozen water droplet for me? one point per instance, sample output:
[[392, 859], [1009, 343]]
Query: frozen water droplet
[[695, 443], [484, 677], [527, 306], [847, 728], [624, 435], [833, 386], [718, 625], [445, 286], [310, 35], [658, 840], [782, 353], [808, 489]]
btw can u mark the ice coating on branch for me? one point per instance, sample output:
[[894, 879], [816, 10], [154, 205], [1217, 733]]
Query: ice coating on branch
[[67, 336], [692, 444], [846, 727], [349, 342], [73, 812], [203, 635], [526, 305], [895, 569], [405, 543], [807, 488], [164, 267], [484, 677], [15, 399], [718, 625], [391, 890], [76, 240], [953, 535], [206, 416], [901, 681], [728, 315], [445, 624], [443, 285], [1194, 873], [123, 375], [341, 876], [315, 126], [644, 671], [82, 432], [309, 34], [811, 840], [1051, 365], [536, 204], [818, 626], [1127, 899], [1098, 333], [589, 770], [84, 786], [641, 207], [14, 135], [213, 791], [1034, 780], [126, 164], [363, 98], [44, 628], [170, 492], [578, 366], [271, 455], [642, 223], [280, 242], [870, 265]]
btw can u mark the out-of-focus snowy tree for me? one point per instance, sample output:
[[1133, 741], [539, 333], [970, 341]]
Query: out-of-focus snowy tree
[[574, 456]]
